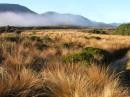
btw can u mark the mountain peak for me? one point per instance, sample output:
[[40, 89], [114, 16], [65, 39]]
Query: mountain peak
[[16, 8], [23, 16]]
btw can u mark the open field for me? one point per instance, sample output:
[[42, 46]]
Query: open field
[[64, 63], [84, 39]]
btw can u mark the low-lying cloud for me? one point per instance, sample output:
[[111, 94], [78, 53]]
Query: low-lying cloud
[[23, 19], [29, 19]]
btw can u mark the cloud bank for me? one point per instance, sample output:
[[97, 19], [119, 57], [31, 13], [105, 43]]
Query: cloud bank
[[27, 19], [23, 19], [46, 19]]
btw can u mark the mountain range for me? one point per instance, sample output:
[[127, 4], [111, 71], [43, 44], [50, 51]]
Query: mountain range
[[18, 15]]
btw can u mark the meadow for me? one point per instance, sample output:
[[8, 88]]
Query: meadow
[[64, 63]]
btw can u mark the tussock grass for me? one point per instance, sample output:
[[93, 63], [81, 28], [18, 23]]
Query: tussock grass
[[78, 81], [33, 65], [20, 84]]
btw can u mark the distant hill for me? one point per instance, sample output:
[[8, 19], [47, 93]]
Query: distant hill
[[75, 20], [17, 15], [14, 8], [67, 19]]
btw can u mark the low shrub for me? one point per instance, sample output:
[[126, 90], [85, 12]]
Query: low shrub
[[97, 31], [88, 55], [123, 29]]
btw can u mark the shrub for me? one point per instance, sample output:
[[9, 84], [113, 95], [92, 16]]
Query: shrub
[[88, 55], [123, 29], [97, 31]]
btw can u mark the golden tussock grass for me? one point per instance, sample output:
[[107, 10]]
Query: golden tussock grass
[[107, 42], [27, 71], [79, 81], [19, 84]]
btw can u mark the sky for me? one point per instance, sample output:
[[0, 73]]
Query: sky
[[108, 11]]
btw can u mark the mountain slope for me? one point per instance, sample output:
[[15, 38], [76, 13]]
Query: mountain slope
[[67, 19], [75, 20], [17, 15], [14, 8]]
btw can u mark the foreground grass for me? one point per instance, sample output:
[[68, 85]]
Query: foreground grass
[[64, 80], [34, 65]]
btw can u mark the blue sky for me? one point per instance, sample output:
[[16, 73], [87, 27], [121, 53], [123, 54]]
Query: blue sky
[[98, 10]]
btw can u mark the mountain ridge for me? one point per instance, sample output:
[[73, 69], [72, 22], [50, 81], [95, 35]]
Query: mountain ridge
[[4, 7], [49, 18]]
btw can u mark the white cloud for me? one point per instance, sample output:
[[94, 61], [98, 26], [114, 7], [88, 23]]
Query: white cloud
[[14, 19]]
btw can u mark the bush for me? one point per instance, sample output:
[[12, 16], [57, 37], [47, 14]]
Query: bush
[[123, 29], [87, 55], [97, 31]]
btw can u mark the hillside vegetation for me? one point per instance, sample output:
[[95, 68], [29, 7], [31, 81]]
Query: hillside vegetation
[[123, 29]]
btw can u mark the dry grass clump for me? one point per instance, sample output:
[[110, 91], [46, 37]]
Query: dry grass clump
[[77, 37], [19, 84], [16, 56], [72, 80], [79, 81]]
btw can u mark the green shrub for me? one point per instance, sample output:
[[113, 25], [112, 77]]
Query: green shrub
[[123, 29], [87, 55], [97, 31]]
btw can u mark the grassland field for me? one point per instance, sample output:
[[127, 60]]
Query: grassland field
[[64, 63]]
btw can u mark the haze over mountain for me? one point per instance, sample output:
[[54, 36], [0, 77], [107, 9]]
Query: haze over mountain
[[17, 15]]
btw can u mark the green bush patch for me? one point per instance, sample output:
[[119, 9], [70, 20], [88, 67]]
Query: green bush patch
[[123, 29], [87, 55]]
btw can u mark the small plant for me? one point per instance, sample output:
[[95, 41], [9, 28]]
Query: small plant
[[88, 55], [97, 31]]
